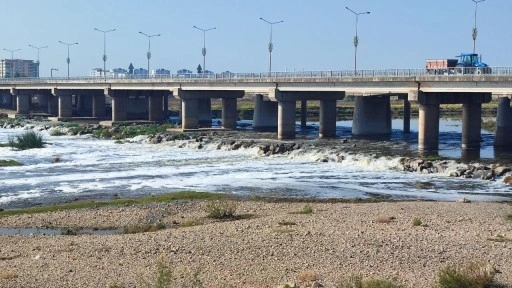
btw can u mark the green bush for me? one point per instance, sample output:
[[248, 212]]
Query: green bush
[[57, 132], [143, 228], [221, 209], [359, 282], [509, 217], [7, 163], [473, 275], [27, 140], [416, 222]]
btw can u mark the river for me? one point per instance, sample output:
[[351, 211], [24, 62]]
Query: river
[[90, 168]]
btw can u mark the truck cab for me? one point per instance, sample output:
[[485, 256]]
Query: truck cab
[[470, 63]]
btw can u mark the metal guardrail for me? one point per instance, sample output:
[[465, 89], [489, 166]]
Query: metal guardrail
[[495, 71]]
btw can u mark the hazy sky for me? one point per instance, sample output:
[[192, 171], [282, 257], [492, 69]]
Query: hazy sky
[[315, 35]]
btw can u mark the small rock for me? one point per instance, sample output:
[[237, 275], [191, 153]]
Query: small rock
[[464, 200]]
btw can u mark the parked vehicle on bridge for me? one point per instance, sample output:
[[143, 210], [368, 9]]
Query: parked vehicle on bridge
[[468, 63]]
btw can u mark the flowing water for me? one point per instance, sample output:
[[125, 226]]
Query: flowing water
[[90, 168]]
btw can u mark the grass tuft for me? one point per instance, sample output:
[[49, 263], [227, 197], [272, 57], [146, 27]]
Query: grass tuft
[[473, 275], [27, 140], [359, 282], [286, 223], [143, 228], [306, 209], [509, 217], [385, 219], [221, 209], [416, 222], [9, 163]]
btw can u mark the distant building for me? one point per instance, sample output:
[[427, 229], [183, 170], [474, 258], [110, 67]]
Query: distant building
[[160, 72], [114, 73], [140, 71], [18, 68]]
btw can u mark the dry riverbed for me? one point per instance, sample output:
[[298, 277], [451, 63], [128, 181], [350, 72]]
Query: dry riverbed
[[271, 244]]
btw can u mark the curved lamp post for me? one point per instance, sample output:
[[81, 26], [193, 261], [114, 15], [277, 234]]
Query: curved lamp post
[[204, 45], [104, 48], [12, 60], [356, 38], [149, 46], [38, 63], [51, 71], [270, 44], [475, 32], [67, 59]]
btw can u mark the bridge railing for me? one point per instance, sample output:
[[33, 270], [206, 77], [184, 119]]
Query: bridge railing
[[260, 76]]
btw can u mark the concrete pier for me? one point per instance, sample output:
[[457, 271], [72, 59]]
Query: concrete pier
[[372, 116], [229, 113], [53, 105], [503, 135], [98, 106], [22, 102], [42, 99], [407, 115], [428, 127], [304, 113], [471, 125], [204, 110], [189, 113], [119, 104], [155, 106], [286, 120], [327, 118], [265, 114]]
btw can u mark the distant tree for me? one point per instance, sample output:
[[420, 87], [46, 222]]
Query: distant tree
[[130, 69], [199, 69]]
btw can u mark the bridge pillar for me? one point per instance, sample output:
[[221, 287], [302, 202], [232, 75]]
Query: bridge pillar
[[286, 120], [407, 115], [327, 118], [98, 106], [42, 100], [428, 122], [53, 105], [229, 113], [265, 114], [166, 105], [503, 135], [471, 125], [189, 113], [85, 104], [372, 116], [22, 102], [304, 113], [155, 103], [119, 104], [204, 110]]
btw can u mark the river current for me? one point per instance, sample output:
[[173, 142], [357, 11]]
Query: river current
[[90, 168]]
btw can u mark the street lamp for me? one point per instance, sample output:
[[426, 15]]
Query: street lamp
[[204, 45], [12, 60], [356, 38], [270, 45], [67, 59], [38, 48], [51, 71], [104, 48], [474, 27], [149, 47]]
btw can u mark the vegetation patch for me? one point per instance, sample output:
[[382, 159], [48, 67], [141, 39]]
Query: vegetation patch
[[221, 210], [189, 223], [122, 131], [306, 209], [359, 282], [143, 228], [286, 223], [385, 219], [186, 195], [416, 222], [499, 238], [8, 163], [27, 140], [509, 217], [473, 275]]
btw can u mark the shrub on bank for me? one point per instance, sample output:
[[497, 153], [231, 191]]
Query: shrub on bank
[[359, 282], [221, 209], [27, 140], [8, 163], [473, 275]]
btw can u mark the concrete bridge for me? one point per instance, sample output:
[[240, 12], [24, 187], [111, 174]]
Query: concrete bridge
[[276, 98]]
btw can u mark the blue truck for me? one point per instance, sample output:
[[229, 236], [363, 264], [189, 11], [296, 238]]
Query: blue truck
[[467, 63]]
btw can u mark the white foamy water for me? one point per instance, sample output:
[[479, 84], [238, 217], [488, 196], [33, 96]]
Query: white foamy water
[[92, 168]]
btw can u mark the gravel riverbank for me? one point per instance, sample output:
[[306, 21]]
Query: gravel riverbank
[[273, 247]]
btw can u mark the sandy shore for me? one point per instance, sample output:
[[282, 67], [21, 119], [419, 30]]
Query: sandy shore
[[336, 240]]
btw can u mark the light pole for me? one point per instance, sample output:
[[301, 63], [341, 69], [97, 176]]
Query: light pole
[[38, 63], [67, 59], [204, 45], [356, 38], [474, 27], [270, 45], [104, 48], [12, 60], [51, 71], [149, 47]]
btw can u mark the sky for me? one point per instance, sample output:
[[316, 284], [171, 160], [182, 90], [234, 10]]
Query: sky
[[315, 35]]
